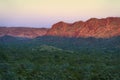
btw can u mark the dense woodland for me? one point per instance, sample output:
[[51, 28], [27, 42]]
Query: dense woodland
[[59, 58]]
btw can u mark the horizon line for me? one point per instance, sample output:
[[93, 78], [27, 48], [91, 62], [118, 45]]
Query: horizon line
[[56, 23]]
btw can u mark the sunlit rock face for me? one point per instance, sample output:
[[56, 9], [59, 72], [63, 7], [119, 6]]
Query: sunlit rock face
[[98, 28], [23, 32]]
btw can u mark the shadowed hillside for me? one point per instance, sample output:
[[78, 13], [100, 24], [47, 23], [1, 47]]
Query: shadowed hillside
[[73, 44], [50, 63]]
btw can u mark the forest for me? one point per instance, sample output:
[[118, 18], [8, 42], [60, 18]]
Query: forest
[[59, 58]]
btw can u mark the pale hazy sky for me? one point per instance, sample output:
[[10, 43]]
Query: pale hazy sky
[[44, 13]]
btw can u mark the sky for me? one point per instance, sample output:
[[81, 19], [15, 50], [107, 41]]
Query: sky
[[44, 13]]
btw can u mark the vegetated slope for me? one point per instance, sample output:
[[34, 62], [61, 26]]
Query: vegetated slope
[[65, 43], [79, 43], [50, 63], [98, 28], [61, 58]]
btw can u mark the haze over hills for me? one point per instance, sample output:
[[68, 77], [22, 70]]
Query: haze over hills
[[98, 28]]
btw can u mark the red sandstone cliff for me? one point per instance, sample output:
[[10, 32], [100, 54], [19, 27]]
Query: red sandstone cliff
[[23, 32], [99, 28]]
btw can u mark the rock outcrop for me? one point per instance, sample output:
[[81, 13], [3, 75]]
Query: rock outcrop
[[23, 32], [98, 28]]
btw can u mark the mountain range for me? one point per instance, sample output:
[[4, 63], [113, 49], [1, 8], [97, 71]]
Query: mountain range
[[97, 28]]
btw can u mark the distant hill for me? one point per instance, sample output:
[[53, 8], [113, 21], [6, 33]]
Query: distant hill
[[22, 32]]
